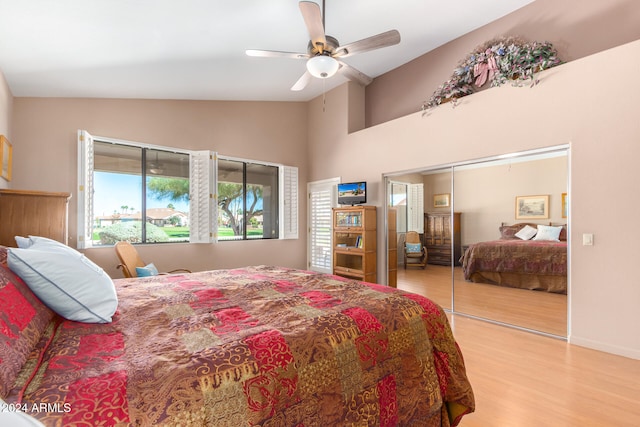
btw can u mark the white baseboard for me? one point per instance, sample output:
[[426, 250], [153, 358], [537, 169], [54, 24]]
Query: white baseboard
[[607, 348]]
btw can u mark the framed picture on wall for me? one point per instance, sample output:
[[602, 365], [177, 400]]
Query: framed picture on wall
[[6, 157], [532, 207], [564, 205], [441, 200]]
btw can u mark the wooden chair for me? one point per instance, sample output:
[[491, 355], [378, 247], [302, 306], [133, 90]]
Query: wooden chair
[[130, 259], [415, 254]]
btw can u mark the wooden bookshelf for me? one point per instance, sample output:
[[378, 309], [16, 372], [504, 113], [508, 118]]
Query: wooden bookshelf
[[354, 242]]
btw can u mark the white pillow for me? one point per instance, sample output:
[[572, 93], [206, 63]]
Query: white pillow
[[526, 233], [548, 232], [66, 281], [41, 243], [12, 417], [23, 242]]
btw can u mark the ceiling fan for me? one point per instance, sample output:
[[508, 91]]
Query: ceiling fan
[[324, 53]]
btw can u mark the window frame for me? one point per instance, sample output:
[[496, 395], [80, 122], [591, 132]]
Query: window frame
[[203, 181], [287, 198]]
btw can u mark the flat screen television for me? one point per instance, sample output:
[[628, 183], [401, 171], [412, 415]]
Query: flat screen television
[[352, 193]]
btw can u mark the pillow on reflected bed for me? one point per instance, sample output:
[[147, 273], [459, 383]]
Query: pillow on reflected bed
[[526, 233], [548, 232], [65, 280]]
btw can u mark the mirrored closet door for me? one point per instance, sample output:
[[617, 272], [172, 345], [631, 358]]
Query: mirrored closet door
[[472, 213], [408, 197]]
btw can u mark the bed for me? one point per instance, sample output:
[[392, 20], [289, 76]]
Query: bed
[[257, 345], [527, 263]]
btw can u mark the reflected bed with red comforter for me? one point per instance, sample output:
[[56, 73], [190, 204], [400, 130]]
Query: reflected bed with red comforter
[[252, 346], [527, 264]]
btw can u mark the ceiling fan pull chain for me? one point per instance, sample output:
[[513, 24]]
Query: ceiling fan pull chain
[[324, 98]]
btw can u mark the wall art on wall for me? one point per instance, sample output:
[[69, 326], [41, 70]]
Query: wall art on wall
[[6, 157], [532, 207], [441, 200]]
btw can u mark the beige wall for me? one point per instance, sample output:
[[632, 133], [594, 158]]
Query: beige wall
[[45, 158], [6, 113], [588, 104], [577, 28], [486, 195]]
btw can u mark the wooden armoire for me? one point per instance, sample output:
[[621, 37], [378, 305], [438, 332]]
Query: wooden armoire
[[33, 213], [439, 234]]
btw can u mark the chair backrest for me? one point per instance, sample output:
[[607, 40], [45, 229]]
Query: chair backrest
[[129, 258], [412, 237]]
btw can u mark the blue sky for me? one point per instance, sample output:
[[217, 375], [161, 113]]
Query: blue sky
[[113, 190]]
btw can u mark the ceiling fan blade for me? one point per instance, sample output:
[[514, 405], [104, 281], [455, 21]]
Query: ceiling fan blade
[[378, 41], [275, 54], [302, 82], [313, 20], [353, 74]]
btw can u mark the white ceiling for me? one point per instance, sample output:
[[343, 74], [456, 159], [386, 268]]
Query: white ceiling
[[194, 49]]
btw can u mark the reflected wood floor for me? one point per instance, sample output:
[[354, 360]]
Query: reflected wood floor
[[537, 310]]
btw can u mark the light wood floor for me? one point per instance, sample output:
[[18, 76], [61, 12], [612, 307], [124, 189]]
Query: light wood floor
[[521, 379], [537, 310]]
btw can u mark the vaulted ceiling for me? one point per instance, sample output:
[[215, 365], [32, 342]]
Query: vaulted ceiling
[[195, 49]]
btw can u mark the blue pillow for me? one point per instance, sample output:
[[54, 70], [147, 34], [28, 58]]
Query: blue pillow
[[147, 271], [66, 281], [414, 247]]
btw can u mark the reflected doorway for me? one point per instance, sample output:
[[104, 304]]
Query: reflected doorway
[[406, 195]]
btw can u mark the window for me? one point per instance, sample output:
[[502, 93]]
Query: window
[[140, 195], [248, 200], [409, 200], [150, 194], [415, 204]]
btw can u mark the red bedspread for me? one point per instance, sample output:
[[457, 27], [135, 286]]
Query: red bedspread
[[529, 264], [252, 346]]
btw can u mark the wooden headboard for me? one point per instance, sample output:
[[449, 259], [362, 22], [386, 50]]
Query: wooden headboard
[[35, 213]]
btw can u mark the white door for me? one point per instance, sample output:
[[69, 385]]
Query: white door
[[322, 197]]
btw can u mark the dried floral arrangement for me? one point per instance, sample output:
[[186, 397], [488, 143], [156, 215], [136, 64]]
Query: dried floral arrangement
[[496, 62]]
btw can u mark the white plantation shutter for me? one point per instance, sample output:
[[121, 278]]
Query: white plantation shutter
[[415, 208], [203, 197], [85, 189], [322, 197], [289, 192]]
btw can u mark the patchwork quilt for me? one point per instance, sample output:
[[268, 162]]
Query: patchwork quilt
[[258, 345]]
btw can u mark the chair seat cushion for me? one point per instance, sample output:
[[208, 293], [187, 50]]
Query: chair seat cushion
[[414, 248]]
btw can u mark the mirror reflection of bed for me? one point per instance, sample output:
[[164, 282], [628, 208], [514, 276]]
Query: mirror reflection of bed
[[484, 193]]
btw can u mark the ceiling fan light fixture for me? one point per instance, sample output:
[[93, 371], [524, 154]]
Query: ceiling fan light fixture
[[322, 66]]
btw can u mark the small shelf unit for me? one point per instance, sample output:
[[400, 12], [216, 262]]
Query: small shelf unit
[[354, 242]]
